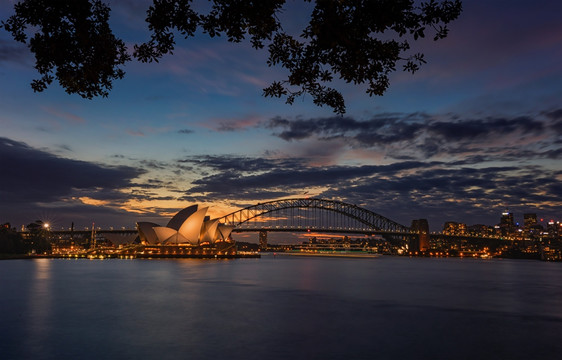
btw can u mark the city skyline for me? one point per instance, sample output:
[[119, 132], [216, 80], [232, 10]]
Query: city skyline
[[476, 130]]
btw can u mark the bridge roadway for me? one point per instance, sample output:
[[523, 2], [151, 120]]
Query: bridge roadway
[[128, 232], [89, 232], [433, 236], [322, 230], [83, 233]]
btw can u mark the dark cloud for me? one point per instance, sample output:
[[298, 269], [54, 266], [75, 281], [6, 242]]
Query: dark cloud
[[557, 127], [154, 164], [286, 174], [471, 129], [416, 135], [30, 175], [385, 128], [237, 164], [250, 195], [153, 184], [232, 176], [185, 131], [65, 148], [554, 114], [226, 127], [14, 52]]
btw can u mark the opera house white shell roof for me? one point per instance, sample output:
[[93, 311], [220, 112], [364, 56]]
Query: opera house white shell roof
[[188, 226]]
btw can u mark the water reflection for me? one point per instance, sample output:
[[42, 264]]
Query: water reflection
[[39, 308], [297, 308]]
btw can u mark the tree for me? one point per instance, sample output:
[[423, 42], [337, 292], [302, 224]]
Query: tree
[[39, 236], [359, 41], [11, 241]]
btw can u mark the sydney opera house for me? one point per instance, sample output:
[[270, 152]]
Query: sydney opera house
[[189, 233]]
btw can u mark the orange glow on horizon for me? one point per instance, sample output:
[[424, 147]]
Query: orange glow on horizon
[[89, 201]]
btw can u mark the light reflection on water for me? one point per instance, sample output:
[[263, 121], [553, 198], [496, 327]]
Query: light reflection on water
[[281, 307], [39, 307]]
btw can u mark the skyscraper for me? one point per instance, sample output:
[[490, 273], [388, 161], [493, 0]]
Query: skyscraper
[[529, 220], [507, 226], [507, 218]]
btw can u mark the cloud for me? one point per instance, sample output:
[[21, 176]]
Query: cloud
[[391, 128], [233, 124], [230, 176], [475, 128], [64, 115], [381, 129], [401, 191], [557, 126], [185, 131], [135, 133], [154, 164], [422, 136], [14, 52], [33, 176], [554, 114]]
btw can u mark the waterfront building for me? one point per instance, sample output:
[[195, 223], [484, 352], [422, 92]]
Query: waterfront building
[[454, 228], [480, 230], [189, 233]]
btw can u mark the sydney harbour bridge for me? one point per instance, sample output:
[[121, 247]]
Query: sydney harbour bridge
[[309, 214]]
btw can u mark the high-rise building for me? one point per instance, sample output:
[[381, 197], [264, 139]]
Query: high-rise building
[[507, 225], [553, 228], [507, 218], [529, 220]]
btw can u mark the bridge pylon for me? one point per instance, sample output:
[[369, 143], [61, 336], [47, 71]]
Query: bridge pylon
[[263, 239]]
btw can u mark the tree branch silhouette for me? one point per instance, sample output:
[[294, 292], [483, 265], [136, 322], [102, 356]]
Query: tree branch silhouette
[[357, 41]]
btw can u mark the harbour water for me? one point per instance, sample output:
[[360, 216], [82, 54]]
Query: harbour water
[[281, 307]]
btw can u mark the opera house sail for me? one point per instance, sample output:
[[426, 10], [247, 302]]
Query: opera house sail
[[190, 231]]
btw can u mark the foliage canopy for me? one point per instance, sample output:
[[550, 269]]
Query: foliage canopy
[[358, 41]]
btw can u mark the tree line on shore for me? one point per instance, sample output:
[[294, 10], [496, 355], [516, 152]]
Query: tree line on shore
[[13, 242]]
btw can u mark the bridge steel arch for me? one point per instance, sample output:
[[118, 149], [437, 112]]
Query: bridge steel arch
[[372, 221]]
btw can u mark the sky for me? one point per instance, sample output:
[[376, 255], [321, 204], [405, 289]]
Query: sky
[[476, 130]]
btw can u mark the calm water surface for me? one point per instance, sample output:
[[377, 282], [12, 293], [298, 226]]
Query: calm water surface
[[281, 307]]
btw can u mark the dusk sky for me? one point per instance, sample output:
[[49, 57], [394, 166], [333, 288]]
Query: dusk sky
[[476, 130]]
